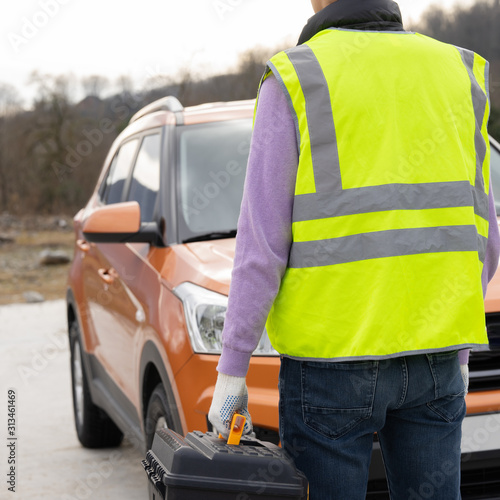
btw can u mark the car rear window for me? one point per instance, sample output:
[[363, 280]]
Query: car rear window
[[119, 172], [145, 181]]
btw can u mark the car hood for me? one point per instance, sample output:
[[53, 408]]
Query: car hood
[[215, 252], [207, 263], [210, 264]]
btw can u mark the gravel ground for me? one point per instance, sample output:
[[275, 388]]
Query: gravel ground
[[49, 461]]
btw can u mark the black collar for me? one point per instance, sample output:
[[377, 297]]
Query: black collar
[[376, 15]]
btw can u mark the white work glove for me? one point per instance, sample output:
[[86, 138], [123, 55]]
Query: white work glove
[[464, 370], [230, 397]]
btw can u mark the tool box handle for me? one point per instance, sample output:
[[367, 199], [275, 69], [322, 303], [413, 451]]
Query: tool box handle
[[237, 426]]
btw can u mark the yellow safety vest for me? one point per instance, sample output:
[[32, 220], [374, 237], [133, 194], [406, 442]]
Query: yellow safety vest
[[390, 214]]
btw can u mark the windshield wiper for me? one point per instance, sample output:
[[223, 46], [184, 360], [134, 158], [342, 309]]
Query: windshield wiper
[[212, 236]]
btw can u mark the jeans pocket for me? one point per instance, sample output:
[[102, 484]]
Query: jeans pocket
[[336, 397], [449, 387]]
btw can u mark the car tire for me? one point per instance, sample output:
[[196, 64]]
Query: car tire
[[157, 414], [94, 428]]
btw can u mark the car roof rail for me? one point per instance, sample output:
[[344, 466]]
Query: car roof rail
[[169, 103]]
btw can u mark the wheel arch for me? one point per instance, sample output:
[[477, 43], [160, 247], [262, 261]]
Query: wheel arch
[[152, 372], [73, 316], [71, 313]]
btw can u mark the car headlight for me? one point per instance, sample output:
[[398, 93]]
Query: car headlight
[[205, 313]]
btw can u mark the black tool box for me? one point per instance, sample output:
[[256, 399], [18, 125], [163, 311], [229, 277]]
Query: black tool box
[[202, 466]]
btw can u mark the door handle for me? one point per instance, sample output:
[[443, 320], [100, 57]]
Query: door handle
[[107, 275], [83, 245]]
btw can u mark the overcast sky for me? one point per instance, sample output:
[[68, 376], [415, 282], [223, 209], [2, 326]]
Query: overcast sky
[[148, 37]]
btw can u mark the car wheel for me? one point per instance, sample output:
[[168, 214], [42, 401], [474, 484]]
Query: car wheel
[[93, 426], [157, 414]]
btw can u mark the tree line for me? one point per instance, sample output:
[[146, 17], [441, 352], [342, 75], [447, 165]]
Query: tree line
[[475, 27], [51, 155]]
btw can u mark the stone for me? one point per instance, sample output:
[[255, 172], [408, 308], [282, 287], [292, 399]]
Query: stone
[[53, 257], [32, 297], [4, 238]]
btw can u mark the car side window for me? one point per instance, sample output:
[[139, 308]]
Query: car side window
[[119, 172], [145, 182]]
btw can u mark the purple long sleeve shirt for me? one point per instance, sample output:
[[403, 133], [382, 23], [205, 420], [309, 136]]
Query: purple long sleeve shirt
[[265, 230]]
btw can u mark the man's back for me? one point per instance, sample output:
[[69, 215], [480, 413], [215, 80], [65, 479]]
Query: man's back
[[391, 197]]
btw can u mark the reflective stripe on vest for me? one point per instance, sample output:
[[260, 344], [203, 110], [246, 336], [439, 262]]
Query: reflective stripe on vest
[[339, 221]]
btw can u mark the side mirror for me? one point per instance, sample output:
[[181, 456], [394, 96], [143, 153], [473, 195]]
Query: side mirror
[[119, 223]]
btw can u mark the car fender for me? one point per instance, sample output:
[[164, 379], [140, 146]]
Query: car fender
[[151, 356]]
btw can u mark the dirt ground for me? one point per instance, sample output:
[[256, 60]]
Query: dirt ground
[[22, 240]]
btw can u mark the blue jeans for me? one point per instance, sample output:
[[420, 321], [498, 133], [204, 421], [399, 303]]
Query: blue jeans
[[416, 404]]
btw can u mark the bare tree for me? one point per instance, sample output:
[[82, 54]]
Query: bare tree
[[473, 26], [9, 105], [125, 84], [54, 123], [10, 101], [250, 68], [94, 85]]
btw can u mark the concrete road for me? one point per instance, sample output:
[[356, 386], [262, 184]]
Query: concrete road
[[48, 460]]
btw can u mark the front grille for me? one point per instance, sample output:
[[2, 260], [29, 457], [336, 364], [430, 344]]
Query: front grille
[[378, 490], [493, 326], [482, 483], [484, 365], [475, 485]]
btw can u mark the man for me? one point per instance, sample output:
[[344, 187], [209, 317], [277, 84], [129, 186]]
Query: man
[[366, 239]]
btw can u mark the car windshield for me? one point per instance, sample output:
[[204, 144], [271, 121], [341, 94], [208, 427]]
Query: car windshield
[[495, 176], [212, 163]]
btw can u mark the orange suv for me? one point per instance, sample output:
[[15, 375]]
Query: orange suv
[[147, 291]]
